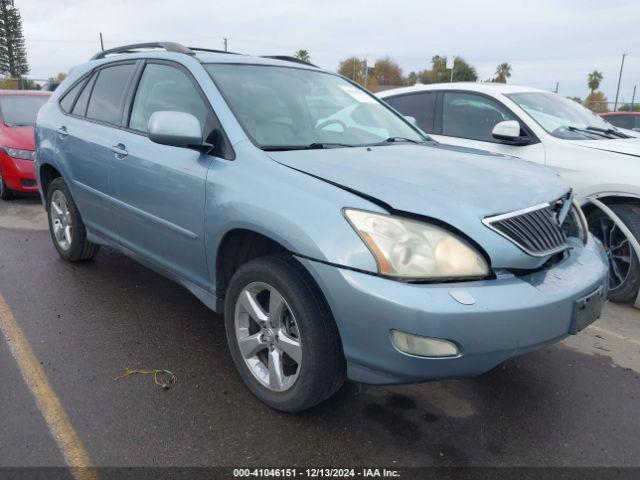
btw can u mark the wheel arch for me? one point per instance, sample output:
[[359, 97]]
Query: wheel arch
[[237, 247], [47, 173]]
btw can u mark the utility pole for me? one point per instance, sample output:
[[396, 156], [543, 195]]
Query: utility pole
[[101, 42], [633, 97], [615, 105], [366, 72], [226, 44], [557, 87]]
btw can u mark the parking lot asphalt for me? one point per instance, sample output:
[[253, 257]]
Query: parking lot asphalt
[[575, 403]]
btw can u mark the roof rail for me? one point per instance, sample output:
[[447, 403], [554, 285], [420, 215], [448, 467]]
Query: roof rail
[[288, 58], [168, 46], [211, 50]]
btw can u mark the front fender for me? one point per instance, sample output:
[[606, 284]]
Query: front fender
[[305, 216]]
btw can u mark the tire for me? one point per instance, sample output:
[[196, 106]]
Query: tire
[[322, 369], [5, 193], [74, 246], [624, 277]]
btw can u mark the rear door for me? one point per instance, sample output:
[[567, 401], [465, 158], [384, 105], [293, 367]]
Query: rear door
[[160, 189], [467, 119], [85, 142]]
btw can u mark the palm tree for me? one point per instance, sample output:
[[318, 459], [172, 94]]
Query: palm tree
[[503, 71], [594, 79], [303, 55]]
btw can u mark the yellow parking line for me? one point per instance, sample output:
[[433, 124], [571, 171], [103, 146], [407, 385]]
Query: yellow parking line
[[48, 402], [614, 334]]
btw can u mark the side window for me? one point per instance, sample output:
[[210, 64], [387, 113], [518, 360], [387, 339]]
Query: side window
[[165, 88], [80, 108], [420, 106], [471, 116], [67, 100], [109, 92]]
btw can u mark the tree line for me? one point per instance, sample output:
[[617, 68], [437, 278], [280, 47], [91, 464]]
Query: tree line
[[385, 72]]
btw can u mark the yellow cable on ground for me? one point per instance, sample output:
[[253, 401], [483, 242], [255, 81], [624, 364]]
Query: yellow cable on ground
[[165, 385]]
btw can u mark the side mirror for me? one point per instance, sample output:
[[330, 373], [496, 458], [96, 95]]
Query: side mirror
[[508, 132], [411, 120], [177, 129]]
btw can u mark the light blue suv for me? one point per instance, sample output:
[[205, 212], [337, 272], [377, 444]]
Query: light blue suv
[[337, 239]]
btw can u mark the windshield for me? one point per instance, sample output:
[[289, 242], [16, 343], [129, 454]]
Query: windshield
[[291, 108], [21, 110], [564, 118]]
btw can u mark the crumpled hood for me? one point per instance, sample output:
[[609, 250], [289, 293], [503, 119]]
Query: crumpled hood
[[434, 181], [627, 146], [458, 186]]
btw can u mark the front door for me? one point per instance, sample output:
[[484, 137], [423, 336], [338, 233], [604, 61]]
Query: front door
[[159, 189], [468, 118]]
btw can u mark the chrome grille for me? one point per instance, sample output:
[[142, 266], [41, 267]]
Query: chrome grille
[[535, 230]]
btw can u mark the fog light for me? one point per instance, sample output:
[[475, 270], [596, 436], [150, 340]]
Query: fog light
[[423, 346]]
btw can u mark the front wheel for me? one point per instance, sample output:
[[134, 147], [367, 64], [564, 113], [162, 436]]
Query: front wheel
[[5, 193], [282, 337], [624, 267]]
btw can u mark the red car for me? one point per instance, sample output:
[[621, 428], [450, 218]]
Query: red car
[[628, 120], [18, 111]]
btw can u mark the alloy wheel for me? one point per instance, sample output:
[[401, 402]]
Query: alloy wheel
[[618, 250], [61, 220], [268, 336]]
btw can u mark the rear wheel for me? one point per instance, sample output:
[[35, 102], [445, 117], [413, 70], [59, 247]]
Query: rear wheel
[[5, 193], [67, 230], [282, 337], [624, 267]]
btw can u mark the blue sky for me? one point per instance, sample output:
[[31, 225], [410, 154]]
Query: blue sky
[[545, 41]]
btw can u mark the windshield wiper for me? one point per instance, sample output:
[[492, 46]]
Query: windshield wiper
[[610, 131], [402, 139], [591, 131], [311, 146]]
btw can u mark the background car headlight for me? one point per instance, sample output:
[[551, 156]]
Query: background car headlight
[[416, 250], [575, 225], [21, 154]]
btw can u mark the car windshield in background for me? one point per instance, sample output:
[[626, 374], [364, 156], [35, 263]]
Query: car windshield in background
[[292, 108], [21, 110], [564, 118]]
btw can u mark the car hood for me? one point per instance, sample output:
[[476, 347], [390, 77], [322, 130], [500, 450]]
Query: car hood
[[17, 137], [626, 146], [458, 186], [432, 180]]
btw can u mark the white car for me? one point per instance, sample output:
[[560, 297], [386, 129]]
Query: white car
[[599, 161]]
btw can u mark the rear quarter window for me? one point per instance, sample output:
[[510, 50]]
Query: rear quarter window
[[69, 98]]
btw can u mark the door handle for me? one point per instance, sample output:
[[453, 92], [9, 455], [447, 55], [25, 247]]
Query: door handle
[[120, 150], [62, 131]]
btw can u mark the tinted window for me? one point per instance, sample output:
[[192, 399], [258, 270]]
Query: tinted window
[[420, 106], [467, 115], [165, 88], [80, 108], [67, 101], [18, 110], [622, 121], [108, 93]]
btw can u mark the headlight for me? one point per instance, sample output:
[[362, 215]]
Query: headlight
[[575, 225], [415, 250], [21, 154]]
